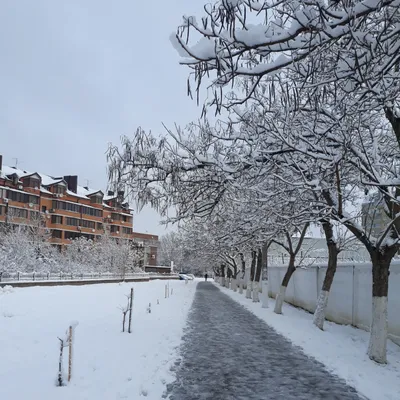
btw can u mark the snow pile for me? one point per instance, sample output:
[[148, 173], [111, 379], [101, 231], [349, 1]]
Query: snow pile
[[6, 289], [107, 363], [342, 349]]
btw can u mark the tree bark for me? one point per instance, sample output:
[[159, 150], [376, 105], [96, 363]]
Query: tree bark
[[234, 284], [222, 280], [253, 265], [280, 298], [241, 285], [257, 277], [250, 283], [333, 252], [381, 259]]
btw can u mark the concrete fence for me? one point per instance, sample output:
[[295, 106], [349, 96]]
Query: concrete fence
[[350, 300]]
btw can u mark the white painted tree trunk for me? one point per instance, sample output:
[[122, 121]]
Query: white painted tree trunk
[[379, 330], [264, 294], [234, 285], [280, 298], [241, 286], [222, 281], [256, 292], [319, 314], [227, 283], [248, 290]]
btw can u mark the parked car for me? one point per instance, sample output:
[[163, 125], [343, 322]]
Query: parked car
[[184, 277]]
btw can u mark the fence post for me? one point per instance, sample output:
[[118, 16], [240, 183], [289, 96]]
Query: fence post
[[33, 275], [48, 275]]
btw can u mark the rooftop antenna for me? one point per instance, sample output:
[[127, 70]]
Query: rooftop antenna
[[87, 182], [16, 162]]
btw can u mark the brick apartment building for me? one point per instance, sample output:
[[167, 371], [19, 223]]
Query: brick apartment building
[[68, 210]]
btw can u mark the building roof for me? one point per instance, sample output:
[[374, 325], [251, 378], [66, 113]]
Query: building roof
[[47, 180]]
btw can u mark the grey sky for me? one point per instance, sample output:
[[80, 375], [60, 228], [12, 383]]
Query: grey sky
[[77, 74]]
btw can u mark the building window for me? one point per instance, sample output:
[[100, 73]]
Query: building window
[[96, 200], [2, 210], [72, 221], [62, 205], [100, 226], [116, 217], [88, 224], [127, 231], [21, 197], [18, 212], [56, 219], [56, 234], [71, 235], [31, 182], [59, 189], [33, 199], [94, 212], [34, 215], [114, 229]]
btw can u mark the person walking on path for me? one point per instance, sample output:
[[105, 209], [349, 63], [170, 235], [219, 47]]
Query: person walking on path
[[205, 277]]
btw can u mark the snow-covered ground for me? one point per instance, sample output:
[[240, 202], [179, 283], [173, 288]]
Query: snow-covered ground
[[342, 349], [108, 364]]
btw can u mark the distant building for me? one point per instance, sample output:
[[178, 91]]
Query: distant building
[[68, 210], [150, 243]]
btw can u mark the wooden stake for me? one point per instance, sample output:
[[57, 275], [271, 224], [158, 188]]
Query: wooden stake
[[60, 381], [70, 354], [130, 311]]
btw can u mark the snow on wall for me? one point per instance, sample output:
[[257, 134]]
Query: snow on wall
[[350, 300]]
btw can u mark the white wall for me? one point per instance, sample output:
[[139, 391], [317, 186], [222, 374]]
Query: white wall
[[350, 299]]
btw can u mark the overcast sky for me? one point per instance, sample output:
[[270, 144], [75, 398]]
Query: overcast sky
[[77, 74]]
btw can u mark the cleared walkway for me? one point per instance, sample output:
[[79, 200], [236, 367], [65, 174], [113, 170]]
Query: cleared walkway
[[230, 354]]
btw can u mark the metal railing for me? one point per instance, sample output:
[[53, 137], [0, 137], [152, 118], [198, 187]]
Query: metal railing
[[71, 276]]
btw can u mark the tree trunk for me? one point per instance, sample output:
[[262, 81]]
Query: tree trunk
[[229, 276], [250, 283], [248, 289], [253, 265], [258, 272], [222, 280], [264, 295], [234, 284], [256, 292], [257, 277], [280, 298], [381, 259], [333, 251], [241, 285]]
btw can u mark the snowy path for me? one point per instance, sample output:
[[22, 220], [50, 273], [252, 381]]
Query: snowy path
[[228, 353]]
